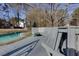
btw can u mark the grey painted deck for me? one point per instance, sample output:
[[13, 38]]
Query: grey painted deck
[[8, 48]]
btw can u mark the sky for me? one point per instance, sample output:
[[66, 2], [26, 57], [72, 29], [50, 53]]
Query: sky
[[72, 7], [12, 11]]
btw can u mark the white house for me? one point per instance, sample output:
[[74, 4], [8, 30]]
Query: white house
[[21, 24]]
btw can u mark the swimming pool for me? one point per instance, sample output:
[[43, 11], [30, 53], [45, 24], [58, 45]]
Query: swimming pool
[[9, 37]]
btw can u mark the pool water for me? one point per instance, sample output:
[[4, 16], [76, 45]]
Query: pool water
[[4, 38]]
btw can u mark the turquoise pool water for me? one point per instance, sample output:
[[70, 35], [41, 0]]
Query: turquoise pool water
[[4, 38]]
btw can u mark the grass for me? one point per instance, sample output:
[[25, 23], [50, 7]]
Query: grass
[[4, 31]]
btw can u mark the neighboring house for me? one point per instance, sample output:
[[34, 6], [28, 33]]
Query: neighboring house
[[21, 24], [17, 23], [4, 24], [12, 23]]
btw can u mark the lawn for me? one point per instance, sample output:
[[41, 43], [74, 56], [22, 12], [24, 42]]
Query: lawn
[[4, 31]]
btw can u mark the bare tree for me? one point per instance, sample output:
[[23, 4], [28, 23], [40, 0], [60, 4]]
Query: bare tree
[[38, 16], [18, 7], [56, 11]]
